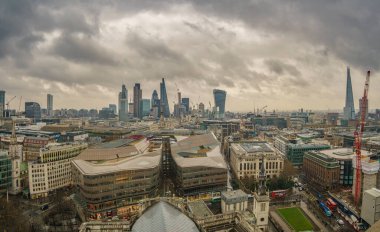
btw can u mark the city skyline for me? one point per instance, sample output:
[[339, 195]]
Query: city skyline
[[72, 55]]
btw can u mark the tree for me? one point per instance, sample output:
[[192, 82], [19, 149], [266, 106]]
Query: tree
[[289, 171]]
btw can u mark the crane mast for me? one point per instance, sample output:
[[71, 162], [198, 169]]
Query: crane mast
[[358, 139]]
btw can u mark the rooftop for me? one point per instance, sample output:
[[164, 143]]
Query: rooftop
[[234, 196], [137, 162], [199, 209], [163, 217], [198, 150], [343, 153], [253, 147]]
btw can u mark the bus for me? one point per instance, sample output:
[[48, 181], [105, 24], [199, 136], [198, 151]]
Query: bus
[[331, 204], [278, 194], [324, 208]]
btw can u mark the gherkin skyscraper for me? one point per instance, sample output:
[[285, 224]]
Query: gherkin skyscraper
[[349, 109]]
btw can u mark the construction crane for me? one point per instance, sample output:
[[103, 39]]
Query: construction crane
[[358, 140], [7, 104]]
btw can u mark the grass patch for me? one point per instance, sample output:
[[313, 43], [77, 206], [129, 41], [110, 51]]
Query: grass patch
[[296, 219]]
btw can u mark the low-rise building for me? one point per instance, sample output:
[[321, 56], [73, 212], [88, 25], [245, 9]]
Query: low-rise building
[[245, 159], [197, 165], [232, 201], [295, 152], [52, 170], [321, 170]]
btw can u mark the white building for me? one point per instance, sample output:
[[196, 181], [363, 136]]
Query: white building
[[53, 168], [245, 159], [233, 201], [371, 206]]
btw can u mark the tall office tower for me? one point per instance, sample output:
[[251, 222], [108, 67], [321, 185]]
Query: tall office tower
[[155, 100], [130, 108], [164, 100], [349, 108], [33, 110], [145, 107], [137, 96], [360, 107], [2, 103], [186, 103], [50, 105], [123, 104], [220, 102]]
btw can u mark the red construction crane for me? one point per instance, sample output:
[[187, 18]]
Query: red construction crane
[[358, 140]]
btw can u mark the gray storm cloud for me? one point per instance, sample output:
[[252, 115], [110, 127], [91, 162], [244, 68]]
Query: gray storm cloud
[[285, 54]]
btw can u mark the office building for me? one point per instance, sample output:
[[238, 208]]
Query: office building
[[5, 172], [220, 102], [50, 105], [370, 210], [321, 170], [145, 107], [112, 181], [186, 103], [32, 146], [137, 96], [295, 152], [155, 100], [349, 108], [52, 170], [33, 111], [344, 157], [123, 104], [233, 201], [164, 100], [2, 103], [246, 159], [113, 108], [197, 166]]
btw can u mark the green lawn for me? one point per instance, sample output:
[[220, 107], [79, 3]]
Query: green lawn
[[296, 219]]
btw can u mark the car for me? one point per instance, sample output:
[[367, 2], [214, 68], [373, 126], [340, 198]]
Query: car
[[300, 188], [340, 221], [44, 207]]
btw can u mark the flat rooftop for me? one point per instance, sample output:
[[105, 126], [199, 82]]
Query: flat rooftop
[[199, 209], [343, 153], [252, 147]]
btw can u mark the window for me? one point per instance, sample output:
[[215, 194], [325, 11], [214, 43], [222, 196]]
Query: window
[[262, 206]]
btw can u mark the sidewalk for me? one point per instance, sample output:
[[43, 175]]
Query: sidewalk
[[312, 217], [280, 221]]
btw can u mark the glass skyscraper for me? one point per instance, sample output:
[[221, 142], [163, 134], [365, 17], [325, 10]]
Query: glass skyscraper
[[145, 107], [123, 104], [155, 100], [164, 99], [349, 108], [220, 102], [137, 96], [33, 110], [50, 105], [186, 103], [2, 103]]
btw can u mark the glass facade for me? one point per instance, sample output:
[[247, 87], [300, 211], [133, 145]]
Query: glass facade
[[123, 104], [33, 110], [220, 101], [145, 106], [5, 172], [164, 99], [186, 103], [2, 102]]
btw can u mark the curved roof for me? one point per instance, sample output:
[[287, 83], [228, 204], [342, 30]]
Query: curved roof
[[163, 217]]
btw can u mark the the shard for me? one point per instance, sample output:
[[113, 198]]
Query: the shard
[[349, 109]]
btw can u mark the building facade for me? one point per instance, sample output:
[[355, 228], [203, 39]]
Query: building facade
[[52, 170], [164, 100], [5, 172], [233, 201], [33, 111], [145, 107], [114, 188], [246, 157], [2, 103], [137, 97], [295, 152], [349, 108], [220, 102], [50, 105], [321, 170], [123, 104]]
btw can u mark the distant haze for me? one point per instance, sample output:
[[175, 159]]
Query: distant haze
[[285, 54]]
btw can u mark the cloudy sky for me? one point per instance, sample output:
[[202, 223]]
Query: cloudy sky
[[286, 54]]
